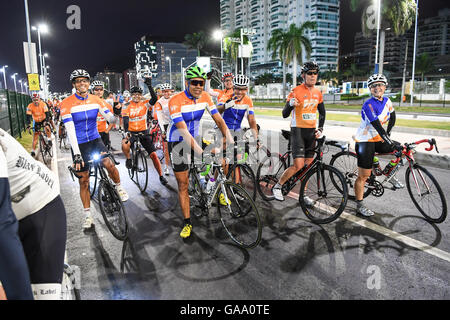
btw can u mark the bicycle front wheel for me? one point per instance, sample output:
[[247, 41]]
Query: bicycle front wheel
[[243, 175], [426, 193], [329, 201], [112, 210], [268, 174], [239, 217], [141, 171]]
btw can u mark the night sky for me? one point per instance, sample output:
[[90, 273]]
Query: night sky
[[110, 28]]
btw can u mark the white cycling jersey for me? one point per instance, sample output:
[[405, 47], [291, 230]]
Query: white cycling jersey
[[32, 184]]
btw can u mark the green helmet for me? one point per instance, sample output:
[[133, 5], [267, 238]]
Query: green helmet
[[195, 72]]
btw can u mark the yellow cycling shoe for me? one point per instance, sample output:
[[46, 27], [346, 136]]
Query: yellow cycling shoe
[[222, 200], [186, 232]]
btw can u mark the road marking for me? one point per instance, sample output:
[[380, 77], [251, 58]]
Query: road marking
[[391, 234]]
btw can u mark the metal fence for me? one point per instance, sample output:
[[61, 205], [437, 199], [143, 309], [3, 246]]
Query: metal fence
[[13, 106]]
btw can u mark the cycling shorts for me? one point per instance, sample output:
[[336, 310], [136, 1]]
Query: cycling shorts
[[105, 138], [180, 159], [146, 141], [303, 142], [365, 151], [88, 149], [39, 125]]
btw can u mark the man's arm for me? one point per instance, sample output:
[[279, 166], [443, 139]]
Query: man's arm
[[391, 123], [148, 82], [322, 114]]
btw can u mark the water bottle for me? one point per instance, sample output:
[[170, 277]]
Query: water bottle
[[376, 167], [390, 166], [210, 185], [202, 182]]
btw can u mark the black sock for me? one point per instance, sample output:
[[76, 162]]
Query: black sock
[[359, 203], [187, 221]]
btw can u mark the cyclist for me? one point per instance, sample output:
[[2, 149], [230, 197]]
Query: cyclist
[[39, 112], [303, 102], [134, 116], [371, 136], [233, 107], [37, 205], [186, 110], [98, 89], [163, 116], [227, 80], [79, 113]]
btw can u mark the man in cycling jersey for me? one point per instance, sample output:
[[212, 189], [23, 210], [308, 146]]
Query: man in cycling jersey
[[79, 113], [186, 110], [103, 126], [163, 116], [303, 102], [37, 205], [227, 80], [134, 116], [371, 137], [38, 111]]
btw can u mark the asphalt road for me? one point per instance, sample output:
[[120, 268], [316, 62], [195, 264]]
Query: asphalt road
[[350, 258]]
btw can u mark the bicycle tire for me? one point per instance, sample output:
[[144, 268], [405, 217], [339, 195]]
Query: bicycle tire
[[249, 182], [141, 172], [195, 194], [443, 213], [131, 170], [42, 149], [268, 173], [128, 260], [242, 212], [346, 162], [340, 198], [112, 207]]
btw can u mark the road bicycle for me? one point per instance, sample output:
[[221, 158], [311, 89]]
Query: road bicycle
[[45, 145], [157, 140], [139, 168], [111, 206], [322, 183], [423, 188]]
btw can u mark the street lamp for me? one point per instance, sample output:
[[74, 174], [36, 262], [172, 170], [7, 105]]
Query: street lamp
[[107, 78], [21, 87], [182, 74], [170, 69], [120, 84], [414, 57], [4, 75], [218, 35], [378, 35], [42, 28], [14, 77]]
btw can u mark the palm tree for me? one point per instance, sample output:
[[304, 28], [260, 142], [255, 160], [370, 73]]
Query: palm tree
[[353, 72], [231, 48], [399, 15], [424, 64], [197, 40], [295, 44], [277, 46], [329, 76]]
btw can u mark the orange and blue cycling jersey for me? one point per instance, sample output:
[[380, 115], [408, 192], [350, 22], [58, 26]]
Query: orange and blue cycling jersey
[[372, 110], [305, 114], [101, 121], [223, 93], [137, 113], [184, 107], [83, 113], [37, 112], [233, 116]]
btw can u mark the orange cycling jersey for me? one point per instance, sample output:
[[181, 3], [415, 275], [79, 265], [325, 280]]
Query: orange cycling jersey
[[305, 114], [137, 112], [38, 112], [223, 93], [101, 121]]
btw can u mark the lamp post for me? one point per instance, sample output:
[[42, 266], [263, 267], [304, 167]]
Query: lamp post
[[14, 77], [218, 35], [21, 87], [378, 35], [120, 84], [182, 74], [4, 75], [107, 79], [129, 81], [414, 57], [170, 69], [46, 84]]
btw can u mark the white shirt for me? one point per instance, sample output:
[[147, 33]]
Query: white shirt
[[32, 184]]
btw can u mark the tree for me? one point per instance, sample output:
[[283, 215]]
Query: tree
[[329, 76], [231, 47], [399, 15], [424, 64], [197, 40], [353, 72], [265, 78], [295, 44], [277, 45]]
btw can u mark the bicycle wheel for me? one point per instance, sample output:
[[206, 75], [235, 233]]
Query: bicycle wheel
[[128, 261], [347, 164], [92, 180], [240, 217], [69, 290], [132, 169], [427, 195], [329, 200], [268, 174], [245, 178], [112, 210], [195, 194], [42, 147], [141, 171]]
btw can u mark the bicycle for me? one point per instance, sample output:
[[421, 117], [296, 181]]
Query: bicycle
[[139, 166], [415, 175], [157, 140], [45, 145], [63, 142], [315, 182], [70, 289], [111, 207], [240, 217]]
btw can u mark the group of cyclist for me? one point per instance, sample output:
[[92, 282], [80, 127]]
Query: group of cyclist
[[88, 119]]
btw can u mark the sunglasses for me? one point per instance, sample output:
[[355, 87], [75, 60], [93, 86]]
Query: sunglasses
[[310, 73], [376, 85], [196, 83], [81, 81], [98, 89]]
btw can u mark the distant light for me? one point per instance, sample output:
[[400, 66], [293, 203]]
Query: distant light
[[43, 28], [217, 35]]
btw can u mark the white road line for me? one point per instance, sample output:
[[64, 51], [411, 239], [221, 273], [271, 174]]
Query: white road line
[[391, 234]]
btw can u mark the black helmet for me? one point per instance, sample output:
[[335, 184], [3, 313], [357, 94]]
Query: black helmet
[[310, 65], [135, 90]]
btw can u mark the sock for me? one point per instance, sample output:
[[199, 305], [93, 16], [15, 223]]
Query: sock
[[87, 212], [359, 203], [187, 221]]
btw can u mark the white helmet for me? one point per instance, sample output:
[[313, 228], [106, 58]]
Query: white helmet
[[126, 94], [376, 78], [79, 73], [240, 80], [165, 86], [97, 83]]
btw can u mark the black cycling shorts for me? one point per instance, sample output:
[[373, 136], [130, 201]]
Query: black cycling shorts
[[145, 140], [105, 138], [88, 149], [303, 142], [180, 159], [39, 125], [43, 237], [365, 151]]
